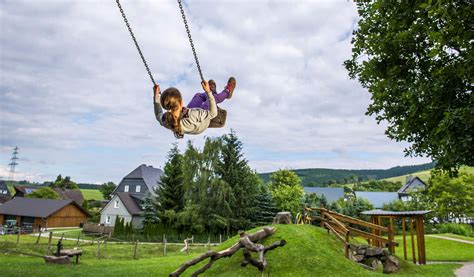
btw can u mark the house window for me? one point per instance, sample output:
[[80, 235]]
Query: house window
[[116, 204], [126, 188], [137, 188], [107, 219]]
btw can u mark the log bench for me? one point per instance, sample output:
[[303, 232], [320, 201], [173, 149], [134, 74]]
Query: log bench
[[71, 253]]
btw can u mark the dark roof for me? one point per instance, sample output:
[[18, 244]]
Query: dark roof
[[377, 198], [25, 189], [131, 201], [149, 174], [35, 207], [73, 194], [331, 194], [405, 213], [410, 181]]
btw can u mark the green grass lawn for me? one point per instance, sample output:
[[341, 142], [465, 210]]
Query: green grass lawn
[[90, 194], [440, 249], [310, 251]]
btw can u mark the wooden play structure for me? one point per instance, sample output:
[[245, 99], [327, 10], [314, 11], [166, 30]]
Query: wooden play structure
[[346, 228], [412, 219]]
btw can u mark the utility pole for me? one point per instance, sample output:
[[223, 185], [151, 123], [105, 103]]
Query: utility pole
[[13, 163]]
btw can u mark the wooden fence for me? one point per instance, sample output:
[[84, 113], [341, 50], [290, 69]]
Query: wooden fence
[[98, 229], [346, 227]]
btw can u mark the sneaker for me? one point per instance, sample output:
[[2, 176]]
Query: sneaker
[[230, 86]]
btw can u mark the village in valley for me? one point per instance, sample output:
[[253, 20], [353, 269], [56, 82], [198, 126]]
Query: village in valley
[[236, 138]]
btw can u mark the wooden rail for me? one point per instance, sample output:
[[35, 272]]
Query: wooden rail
[[339, 224]]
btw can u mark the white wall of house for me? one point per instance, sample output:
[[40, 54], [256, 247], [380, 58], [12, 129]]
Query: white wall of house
[[114, 208]]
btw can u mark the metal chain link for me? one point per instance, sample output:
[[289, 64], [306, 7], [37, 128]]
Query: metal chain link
[[135, 41], [190, 39]]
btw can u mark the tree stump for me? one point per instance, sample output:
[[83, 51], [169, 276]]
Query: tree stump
[[282, 218]]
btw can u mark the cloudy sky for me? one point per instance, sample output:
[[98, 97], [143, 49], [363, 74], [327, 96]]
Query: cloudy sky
[[76, 99]]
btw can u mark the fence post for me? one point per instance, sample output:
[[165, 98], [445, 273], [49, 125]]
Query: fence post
[[18, 236], [78, 237], [347, 244], [391, 247], [164, 245], [220, 238], [135, 250], [209, 242], [39, 236], [49, 242], [98, 249]]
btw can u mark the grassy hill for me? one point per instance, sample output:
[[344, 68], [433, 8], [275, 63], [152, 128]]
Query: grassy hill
[[310, 251], [322, 176], [425, 175]]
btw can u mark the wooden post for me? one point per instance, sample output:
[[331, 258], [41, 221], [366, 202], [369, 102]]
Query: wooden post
[[209, 242], [18, 236], [39, 236], [220, 238], [347, 244], [404, 239], [420, 230], [78, 237], [164, 245], [98, 249], [135, 250], [391, 237], [412, 241], [49, 243]]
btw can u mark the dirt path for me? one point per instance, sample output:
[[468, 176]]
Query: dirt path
[[453, 239]]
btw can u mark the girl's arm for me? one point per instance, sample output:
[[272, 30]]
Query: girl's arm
[[210, 98], [157, 104]]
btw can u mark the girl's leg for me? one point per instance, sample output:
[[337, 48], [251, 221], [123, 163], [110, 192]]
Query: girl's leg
[[221, 96], [198, 101]]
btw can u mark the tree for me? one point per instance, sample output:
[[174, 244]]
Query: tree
[[170, 192], [451, 197], [352, 207], [44, 192], [106, 189], [265, 208], [286, 191], [233, 169], [65, 183], [415, 58]]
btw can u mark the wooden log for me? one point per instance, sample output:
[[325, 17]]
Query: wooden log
[[18, 236], [246, 241], [391, 247], [57, 260]]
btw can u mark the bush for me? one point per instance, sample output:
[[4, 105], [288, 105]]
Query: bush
[[458, 229]]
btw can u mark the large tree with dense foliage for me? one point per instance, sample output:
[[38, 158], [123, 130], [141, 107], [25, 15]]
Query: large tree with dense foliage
[[232, 168], [44, 192], [106, 189], [416, 58], [64, 183], [287, 191], [170, 193]]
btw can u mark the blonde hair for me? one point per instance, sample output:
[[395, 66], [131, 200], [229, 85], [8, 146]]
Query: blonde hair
[[171, 100]]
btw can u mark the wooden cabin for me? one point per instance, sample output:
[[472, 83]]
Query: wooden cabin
[[42, 213]]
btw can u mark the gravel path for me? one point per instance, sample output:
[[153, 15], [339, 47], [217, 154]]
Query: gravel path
[[453, 239], [467, 270]]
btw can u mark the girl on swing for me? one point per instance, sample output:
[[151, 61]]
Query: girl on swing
[[196, 117]]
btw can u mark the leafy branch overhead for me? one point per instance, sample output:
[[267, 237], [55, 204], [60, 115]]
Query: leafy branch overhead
[[416, 59]]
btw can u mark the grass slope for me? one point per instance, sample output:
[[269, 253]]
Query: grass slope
[[425, 175], [310, 251], [92, 194]]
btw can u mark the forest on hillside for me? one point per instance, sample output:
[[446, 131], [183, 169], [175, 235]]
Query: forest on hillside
[[324, 176]]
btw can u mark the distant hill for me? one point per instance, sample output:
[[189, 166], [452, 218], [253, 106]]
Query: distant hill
[[325, 176]]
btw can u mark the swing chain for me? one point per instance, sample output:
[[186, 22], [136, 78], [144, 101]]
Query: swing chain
[[190, 39], [135, 41]]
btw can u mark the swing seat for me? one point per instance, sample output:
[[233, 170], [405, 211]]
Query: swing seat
[[219, 120]]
